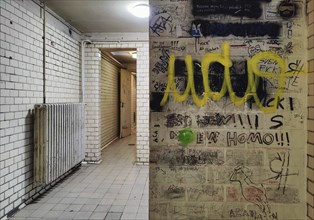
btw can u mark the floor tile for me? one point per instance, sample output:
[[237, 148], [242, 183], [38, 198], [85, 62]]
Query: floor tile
[[82, 215], [102, 208], [73, 208], [67, 215], [128, 216], [23, 213], [80, 201], [53, 214], [88, 207], [142, 216], [60, 207], [113, 216], [116, 208], [115, 189], [38, 213], [98, 215], [130, 209]]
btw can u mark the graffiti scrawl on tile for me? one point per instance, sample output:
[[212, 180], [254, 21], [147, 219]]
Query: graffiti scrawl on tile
[[228, 94]]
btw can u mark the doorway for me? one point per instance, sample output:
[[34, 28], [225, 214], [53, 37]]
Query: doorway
[[94, 93], [118, 94]]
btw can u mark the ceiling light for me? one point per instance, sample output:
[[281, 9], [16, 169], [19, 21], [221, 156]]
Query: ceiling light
[[140, 10], [133, 54]]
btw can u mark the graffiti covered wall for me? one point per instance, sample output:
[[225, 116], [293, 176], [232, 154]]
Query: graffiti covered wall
[[227, 109]]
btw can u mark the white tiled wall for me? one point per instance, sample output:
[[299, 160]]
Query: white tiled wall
[[63, 63], [142, 128], [92, 57], [92, 94], [21, 84]]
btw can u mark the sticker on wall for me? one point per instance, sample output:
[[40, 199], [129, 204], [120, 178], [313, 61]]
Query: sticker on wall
[[186, 136], [196, 30], [287, 9]]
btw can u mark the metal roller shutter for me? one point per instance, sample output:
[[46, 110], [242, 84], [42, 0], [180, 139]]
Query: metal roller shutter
[[109, 101]]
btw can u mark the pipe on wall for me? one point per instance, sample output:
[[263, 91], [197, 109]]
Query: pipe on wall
[[44, 51], [83, 43]]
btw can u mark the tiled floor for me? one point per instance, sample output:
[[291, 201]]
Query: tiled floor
[[115, 189]]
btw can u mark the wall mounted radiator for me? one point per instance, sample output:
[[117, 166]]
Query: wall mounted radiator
[[59, 140]]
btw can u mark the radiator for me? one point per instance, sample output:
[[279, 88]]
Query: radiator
[[59, 137]]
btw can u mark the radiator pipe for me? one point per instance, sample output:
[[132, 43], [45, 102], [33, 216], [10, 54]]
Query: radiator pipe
[[83, 43], [44, 52]]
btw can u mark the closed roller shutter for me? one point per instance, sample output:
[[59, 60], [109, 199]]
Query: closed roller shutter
[[133, 104], [109, 101]]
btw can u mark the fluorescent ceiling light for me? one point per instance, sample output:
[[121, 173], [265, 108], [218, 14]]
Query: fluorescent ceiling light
[[140, 10], [134, 54]]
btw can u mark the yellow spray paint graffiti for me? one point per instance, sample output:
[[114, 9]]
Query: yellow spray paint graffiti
[[254, 73]]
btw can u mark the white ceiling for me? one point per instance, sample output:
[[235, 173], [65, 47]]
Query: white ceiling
[[91, 16]]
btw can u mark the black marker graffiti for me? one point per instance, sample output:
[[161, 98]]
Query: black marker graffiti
[[255, 29], [213, 120], [155, 99], [276, 119], [162, 65], [178, 120], [155, 136], [295, 68], [278, 102], [207, 136], [282, 172], [233, 138], [161, 23], [239, 8]]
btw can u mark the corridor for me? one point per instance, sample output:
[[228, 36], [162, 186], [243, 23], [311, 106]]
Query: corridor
[[115, 189]]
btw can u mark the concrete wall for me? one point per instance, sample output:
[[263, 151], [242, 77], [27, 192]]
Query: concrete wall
[[21, 85], [228, 110], [310, 121], [92, 92]]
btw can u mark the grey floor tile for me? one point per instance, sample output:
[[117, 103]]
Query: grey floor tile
[[33, 206], [73, 194], [39, 213], [80, 201], [67, 215], [116, 208], [142, 216], [60, 207], [53, 200], [143, 209], [53, 214], [23, 213], [128, 216], [88, 207], [47, 206], [93, 201], [82, 215], [130, 209], [67, 200], [102, 208], [116, 188], [74, 208], [113, 216], [98, 215], [123, 196], [110, 195], [120, 202]]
